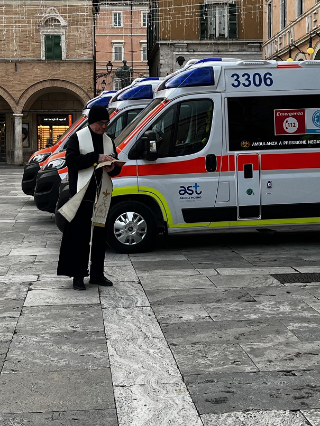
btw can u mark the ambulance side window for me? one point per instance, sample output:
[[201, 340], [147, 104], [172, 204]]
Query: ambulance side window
[[132, 115], [194, 125], [184, 128], [116, 127], [258, 123], [164, 130]]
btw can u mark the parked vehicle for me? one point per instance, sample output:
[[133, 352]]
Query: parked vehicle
[[102, 99], [39, 158], [129, 105], [224, 145]]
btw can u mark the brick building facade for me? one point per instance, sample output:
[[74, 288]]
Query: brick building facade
[[47, 68], [121, 34], [202, 28], [291, 30]]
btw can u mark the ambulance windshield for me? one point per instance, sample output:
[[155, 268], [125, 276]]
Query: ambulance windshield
[[127, 130]]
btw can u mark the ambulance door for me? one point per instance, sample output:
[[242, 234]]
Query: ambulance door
[[188, 145], [248, 186]]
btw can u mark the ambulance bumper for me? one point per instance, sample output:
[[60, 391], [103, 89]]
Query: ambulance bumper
[[47, 190], [29, 178]]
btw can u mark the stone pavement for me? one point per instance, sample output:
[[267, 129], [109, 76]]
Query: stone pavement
[[213, 330]]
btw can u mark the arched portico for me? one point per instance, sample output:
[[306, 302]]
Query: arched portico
[[33, 91], [7, 105], [51, 99]]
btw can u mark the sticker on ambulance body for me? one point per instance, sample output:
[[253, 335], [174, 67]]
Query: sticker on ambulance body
[[313, 120], [289, 121]]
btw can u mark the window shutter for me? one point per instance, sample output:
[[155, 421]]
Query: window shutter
[[53, 49], [233, 20], [203, 21], [57, 51], [48, 47]]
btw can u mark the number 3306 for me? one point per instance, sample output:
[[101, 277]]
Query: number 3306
[[256, 79]]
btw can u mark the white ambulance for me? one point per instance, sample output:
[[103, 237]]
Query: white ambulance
[[225, 144]]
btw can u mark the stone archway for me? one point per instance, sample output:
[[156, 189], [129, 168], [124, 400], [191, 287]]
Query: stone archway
[[34, 90], [8, 98], [30, 95], [7, 106]]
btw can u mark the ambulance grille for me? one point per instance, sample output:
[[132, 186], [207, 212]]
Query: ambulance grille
[[297, 278]]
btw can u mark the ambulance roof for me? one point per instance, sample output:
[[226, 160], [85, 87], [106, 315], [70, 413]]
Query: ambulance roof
[[235, 75]]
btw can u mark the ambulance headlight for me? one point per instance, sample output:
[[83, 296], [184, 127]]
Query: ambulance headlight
[[57, 163], [39, 158]]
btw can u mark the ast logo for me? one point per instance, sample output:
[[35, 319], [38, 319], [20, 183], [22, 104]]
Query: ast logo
[[190, 192]]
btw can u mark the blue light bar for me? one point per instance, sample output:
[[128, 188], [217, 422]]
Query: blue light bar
[[192, 77], [208, 60], [150, 79], [137, 92], [104, 101]]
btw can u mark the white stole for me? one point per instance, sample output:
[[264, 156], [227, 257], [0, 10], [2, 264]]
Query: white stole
[[101, 208]]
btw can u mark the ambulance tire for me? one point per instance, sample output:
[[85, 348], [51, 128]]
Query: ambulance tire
[[124, 239]]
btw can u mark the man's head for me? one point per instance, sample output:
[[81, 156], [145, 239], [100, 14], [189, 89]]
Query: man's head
[[98, 119]]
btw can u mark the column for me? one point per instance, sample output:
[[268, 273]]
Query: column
[[17, 147]]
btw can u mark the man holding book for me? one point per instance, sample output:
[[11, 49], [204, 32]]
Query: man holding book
[[91, 161]]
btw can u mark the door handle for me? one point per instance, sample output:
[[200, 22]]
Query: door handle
[[248, 171], [211, 163]]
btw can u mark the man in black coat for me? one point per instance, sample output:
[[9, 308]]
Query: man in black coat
[[86, 148]]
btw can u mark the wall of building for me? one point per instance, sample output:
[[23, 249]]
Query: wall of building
[[179, 20], [132, 35], [31, 84], [169, 52], [22, 20], [186, 29], [297, 36]]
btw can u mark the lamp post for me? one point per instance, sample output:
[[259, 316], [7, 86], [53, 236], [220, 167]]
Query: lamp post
[[104, 75]]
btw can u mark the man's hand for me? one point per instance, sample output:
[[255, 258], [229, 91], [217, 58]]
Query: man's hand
[[102, 158]]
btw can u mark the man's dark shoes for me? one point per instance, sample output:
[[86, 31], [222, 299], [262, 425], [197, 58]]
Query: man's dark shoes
[[100, 280], [78, 283]]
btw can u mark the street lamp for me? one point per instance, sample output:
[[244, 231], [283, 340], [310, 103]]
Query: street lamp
[[104, 75], [109, 67]]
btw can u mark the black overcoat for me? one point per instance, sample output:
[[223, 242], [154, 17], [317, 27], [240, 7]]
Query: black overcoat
[[75, 248]]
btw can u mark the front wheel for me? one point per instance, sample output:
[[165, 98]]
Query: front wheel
[[131, 227]]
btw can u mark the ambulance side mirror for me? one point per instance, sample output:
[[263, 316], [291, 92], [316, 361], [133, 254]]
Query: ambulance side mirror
[[150, 146]]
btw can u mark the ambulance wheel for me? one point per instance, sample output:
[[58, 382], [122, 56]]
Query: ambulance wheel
[[131, 227]]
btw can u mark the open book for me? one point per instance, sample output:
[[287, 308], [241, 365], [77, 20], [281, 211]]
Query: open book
[[116, 162]]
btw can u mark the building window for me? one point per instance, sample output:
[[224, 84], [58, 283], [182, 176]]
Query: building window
[[53, 49], [117, 19], [117, 84], [118, 52], [283, 14], [53, 36], [144, 19], [218, 20], [269, 20], [300, 7], [144, 52]]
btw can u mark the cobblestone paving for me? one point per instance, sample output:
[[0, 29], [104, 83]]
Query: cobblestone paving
[[215, 329]]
